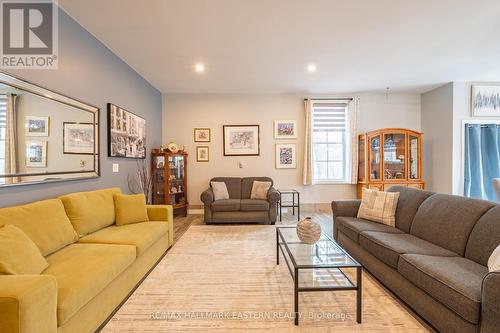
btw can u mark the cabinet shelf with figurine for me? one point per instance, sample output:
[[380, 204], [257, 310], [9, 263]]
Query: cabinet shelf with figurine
[[388, 157], [170, 179]]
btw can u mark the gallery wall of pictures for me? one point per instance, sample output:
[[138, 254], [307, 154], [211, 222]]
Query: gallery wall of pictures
[[286, 152]]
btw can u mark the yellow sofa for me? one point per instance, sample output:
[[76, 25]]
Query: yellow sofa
[[93, 263]]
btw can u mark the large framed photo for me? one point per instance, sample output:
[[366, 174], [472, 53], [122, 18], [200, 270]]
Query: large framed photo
[[202, 154], [486, 100], [36, 154], [126, 133], [241, 140], [37, 126], [285, 129], [78, 138], [202, 135], [286, 157]]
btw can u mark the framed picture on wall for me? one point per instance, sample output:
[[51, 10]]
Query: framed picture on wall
[[485, 101], [78, 138], [286, 157], [241, 140], [202, 135], [126, 133], [37, 126], [285, 129], [36, 154], [202, 154]]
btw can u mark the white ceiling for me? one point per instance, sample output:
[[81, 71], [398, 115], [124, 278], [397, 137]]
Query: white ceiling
[[264, 46]]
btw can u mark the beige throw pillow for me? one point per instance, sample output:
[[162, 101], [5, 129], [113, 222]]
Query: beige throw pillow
[[259, 190], [220, 190], [379, 206], [494, 260]]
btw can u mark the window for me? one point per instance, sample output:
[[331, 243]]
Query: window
[[3, 114], [330, 146]]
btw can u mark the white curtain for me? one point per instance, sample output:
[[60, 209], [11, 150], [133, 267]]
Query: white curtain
[[11, 138], [352, 127], [307, 171]]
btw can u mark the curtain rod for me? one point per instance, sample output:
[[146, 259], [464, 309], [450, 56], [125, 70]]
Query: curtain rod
[[330, 99]]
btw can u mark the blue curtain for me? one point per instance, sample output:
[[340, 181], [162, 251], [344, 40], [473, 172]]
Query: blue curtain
[[482, 160]]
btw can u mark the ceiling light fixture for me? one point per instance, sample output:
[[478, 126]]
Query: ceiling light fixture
[[311, 68], [199, 68]]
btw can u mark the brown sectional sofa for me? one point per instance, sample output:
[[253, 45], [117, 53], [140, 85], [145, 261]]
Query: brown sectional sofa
[[435, 259], [239, 208]]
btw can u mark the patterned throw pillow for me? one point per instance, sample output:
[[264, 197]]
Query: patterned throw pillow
[[259, 190], [379, 206], [220, 190], [494, 260]]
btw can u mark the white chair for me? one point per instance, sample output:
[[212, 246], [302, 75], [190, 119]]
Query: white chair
[[496, 186]]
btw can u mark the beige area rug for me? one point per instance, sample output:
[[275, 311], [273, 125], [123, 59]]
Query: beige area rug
[[225, 279]]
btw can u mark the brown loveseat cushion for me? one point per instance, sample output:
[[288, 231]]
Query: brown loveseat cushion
[[453, 281], [226, 205], [254, 205], [352, 227], [389, 246]]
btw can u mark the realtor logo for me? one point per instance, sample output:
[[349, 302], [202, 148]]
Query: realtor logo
[[29, 34]]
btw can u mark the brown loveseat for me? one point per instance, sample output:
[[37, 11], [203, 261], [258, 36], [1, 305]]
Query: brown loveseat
[[239, 207], [435, 259]]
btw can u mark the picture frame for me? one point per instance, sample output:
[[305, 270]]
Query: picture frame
[[36, 154], [241, 140], [285, 129], [126, 133], [286, 156], [485, 100], [202, 154], [78, 138], [202, 135], [37, 126]]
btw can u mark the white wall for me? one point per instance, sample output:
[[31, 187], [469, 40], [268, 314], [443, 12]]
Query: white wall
[[437, 126], [182, 113]]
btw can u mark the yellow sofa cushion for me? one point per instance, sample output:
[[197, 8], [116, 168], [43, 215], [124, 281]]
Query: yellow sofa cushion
[[45, 223], [82, 271], [90, 211], [142, 235], [130, 208], [18, 253]]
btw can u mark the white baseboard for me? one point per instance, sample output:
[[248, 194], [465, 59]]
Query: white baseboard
[[193, 211]]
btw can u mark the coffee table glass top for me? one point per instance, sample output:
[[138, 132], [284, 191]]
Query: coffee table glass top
[[324, 253]]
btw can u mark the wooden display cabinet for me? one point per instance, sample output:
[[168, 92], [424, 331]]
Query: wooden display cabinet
[[388, 157], [169, 172]]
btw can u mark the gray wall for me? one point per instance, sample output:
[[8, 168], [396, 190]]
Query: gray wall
[[90, 72], [437, 126]]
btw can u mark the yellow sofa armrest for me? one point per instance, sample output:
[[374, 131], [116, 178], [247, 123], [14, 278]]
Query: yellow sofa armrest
[[164, 213], [28, 303]]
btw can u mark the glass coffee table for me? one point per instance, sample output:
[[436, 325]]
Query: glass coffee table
[[317, 267]]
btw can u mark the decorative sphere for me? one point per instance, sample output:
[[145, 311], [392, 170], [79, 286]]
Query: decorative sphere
[[308, 231]]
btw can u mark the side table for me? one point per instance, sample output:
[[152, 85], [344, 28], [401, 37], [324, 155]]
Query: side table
[[295, 203]]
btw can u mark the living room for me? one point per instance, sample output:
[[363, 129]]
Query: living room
[[206, 165]]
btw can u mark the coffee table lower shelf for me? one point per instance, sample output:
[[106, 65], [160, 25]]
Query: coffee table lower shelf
[[315, 277]]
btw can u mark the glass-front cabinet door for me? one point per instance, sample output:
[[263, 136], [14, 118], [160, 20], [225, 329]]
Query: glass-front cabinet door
[[413, 153], [375, 142], [158, 180], [361, 158], [394, 156], [176, 181]]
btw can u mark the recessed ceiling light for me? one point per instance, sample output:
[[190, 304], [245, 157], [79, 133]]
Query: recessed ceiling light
[[199, 68], [311, 68]]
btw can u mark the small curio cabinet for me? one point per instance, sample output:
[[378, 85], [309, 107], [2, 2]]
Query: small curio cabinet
[[169, 180], [388, 157]]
